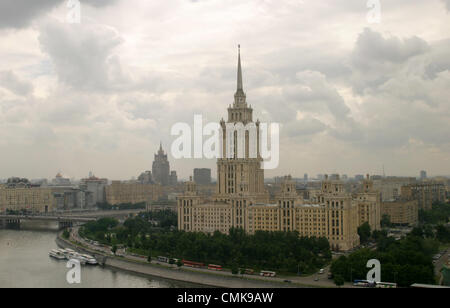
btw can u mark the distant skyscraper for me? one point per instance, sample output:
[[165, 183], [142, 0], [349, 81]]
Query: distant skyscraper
[[305, 177], [423, 175], [173, 180], [202, 176], [161, 167]]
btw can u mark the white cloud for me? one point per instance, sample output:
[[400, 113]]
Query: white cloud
[[82, 97]]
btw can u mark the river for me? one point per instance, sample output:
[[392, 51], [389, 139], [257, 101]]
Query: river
[[24, 263]]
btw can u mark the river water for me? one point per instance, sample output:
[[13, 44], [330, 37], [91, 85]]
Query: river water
[[24, 262]]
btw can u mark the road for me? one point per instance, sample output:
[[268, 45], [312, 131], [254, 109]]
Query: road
[[322, 280], [445, 257]]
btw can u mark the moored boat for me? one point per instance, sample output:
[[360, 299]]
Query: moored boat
[[89, 259], [57, 254]]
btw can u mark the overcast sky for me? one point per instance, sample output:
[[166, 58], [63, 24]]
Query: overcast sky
[[351, 96]]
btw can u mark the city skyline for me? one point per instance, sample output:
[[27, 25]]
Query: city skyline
[[82, 97]]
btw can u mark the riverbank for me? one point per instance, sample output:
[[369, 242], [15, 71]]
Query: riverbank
[[195, 276]]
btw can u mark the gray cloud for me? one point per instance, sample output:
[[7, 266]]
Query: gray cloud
[[447, 4], [19, 13], [375, 59], [12, 82], [82, 54]]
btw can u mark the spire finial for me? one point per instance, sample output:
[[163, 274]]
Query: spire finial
[[239, 77]]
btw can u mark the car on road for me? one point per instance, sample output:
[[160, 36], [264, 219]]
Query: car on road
[[287, 281]]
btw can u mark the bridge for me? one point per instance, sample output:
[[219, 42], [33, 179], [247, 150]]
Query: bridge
[[64, 219], [13, 221]]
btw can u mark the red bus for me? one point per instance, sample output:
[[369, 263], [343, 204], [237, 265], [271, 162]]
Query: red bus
[[192, 263], [249, 271], [215, 267]]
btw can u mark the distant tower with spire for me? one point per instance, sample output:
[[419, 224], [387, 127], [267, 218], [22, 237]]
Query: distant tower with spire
[[161, 167], [237, 176]]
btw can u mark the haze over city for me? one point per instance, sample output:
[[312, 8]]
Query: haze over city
[[350, 96]]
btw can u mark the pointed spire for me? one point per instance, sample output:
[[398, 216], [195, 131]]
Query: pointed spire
[[239, 74]]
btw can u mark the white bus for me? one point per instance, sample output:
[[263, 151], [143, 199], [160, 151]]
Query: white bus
[[268, 274]]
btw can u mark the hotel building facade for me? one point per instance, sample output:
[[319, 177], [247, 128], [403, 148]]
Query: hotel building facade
[[241, 200]]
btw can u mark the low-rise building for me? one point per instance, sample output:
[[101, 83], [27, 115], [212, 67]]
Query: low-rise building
[[401, 212], [132, 193], [32, 199], [426, 193], [96, 188]]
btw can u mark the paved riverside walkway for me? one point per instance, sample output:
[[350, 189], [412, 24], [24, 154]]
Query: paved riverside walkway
[[199, 276]]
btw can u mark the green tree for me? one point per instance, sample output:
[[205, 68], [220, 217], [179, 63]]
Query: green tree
[[364, 232], [66, 234], [338, 280], [443, 233], [114, 249], [385, 221], [234, 269], [417, 231], [149, 256]]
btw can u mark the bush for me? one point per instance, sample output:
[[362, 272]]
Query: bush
[[66, 234]]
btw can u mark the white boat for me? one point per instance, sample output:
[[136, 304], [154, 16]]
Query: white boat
[[89, 259], [76, 256], [57, 254]]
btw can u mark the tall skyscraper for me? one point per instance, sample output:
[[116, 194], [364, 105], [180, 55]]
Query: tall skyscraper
[[236, 175], [241, 200], [161, 167], [202, 176], [173, 179]]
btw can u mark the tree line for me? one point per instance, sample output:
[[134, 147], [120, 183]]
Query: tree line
[[284, 252]]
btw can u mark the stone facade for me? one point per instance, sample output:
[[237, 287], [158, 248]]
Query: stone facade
[[120, 193], [368, 203], [402, 212], [425, 193], [241, 200], [96, 188], [34, 199]]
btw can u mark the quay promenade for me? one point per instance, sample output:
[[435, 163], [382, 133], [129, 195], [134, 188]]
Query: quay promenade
[[139, 265]]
